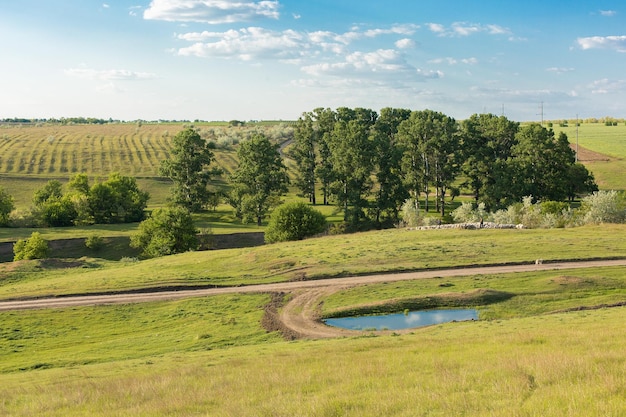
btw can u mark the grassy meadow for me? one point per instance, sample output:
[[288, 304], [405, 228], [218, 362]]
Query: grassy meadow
[[609, 168], [332, 256], [534, 351], [210, 356]]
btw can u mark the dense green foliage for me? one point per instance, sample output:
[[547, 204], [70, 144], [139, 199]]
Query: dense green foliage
[[115, 200], [294, 221], [6, 206], [259, 180], [417, 153], [35, 247], [188, 167], [167, 231]]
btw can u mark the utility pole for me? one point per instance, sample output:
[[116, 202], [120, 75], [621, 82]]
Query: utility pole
[[576, 137], [541, 112]]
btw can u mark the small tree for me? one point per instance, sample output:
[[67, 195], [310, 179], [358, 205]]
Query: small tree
[[188, 168], [6, 206], [35, 247], [294, 221], [259, 180], [167, 231]]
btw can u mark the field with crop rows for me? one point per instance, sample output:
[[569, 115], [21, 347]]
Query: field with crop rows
[[129, 148]]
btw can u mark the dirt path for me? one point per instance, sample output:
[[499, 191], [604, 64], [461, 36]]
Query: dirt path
[[300, 314]]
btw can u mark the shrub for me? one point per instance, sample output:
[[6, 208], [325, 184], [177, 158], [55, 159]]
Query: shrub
[[35, 247], [294, 221], [6, 206], [603, 207], [168, 230], [467, 213], [94, 242], [411, 215]]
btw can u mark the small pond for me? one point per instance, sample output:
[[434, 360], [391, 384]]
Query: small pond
[[403, 320]]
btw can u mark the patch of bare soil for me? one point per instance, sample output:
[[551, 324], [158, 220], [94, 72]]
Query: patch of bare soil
[[586, 155]]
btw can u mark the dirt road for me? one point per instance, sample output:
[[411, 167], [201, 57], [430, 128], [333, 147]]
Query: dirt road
[[299, 314]]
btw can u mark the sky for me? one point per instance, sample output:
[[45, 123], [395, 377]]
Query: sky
[[275, 59]]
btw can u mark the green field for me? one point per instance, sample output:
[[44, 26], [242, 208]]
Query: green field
[[533, 352], [341, 255], [609, 168]]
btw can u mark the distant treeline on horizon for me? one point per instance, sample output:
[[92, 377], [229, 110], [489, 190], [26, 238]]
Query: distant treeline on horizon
[[607, 120]]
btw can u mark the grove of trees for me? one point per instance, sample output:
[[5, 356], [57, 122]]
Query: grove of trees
[[369, 164]]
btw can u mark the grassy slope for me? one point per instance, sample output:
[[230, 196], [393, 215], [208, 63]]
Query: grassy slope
[[389, 250], [607, 140], [556, 365]]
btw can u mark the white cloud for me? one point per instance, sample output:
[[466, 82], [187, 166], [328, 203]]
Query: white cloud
[[245, 44], [454, 61], [106, 6], [559, 70], [258, 42], [210, 11], [463, 29], [608, 13], [436, 28], [606, 86], [405, 43], [108, 75], [617, 43], [380, 61]]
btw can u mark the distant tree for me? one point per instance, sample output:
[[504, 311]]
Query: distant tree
[[79, 183], [117, 200], [424, 137], [57, 212], [35, 247], [6, 206], [487, 141], [259, 180], [579, 181], [188, 167], [167, 231], [294, 221], [324, 125], [303, 152], [52, 189], [391, 192], [539, 165], [352, 164]]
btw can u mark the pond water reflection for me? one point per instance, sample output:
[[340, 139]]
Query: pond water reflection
[[402, 321]]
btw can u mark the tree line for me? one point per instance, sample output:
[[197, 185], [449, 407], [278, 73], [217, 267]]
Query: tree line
[[369, 164]]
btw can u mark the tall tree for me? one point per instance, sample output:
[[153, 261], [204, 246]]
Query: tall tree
[[303, 152], [487, 141], [541, 163], [188, 167], [391, 192], [324, 125], [351, 158], [445, 152], [418, 136], [259, 180]]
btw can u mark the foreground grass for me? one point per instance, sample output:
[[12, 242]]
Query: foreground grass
[[557, 365], [381, 251]]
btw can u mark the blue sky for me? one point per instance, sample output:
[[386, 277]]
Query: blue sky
[[261, 60]]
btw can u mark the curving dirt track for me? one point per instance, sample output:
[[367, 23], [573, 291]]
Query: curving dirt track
[[299, 314]]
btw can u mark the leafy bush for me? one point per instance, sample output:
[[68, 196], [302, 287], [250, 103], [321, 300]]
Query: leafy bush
[[168, 230], [294, 221], [468, 213], [35, 247], [6, 206], [603, 207], [411, 215], [94, 242]]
